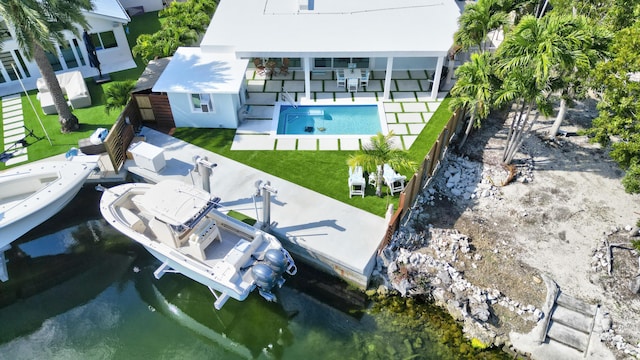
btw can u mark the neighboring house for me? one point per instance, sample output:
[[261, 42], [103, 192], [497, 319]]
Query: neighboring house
[[316, 36], [107, 29]]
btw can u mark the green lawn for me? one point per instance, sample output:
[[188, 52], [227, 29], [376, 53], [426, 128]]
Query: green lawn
[[322, 171], [325, 172], [90, 118]]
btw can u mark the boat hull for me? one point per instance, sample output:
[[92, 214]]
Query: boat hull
[[229, 257], [19, 216]]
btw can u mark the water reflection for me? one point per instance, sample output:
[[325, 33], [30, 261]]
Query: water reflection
[[81, 290]]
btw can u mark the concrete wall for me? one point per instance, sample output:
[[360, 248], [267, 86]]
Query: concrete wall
[[225, 115]]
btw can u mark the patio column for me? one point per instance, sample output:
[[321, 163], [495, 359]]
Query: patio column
[[307, 77], [436, 78], [387, 79]]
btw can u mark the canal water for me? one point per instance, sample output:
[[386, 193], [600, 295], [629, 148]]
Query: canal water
[[78, 289]]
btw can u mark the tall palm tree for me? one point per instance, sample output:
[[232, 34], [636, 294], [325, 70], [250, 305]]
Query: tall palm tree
[[38, 27], [531, 60], [472, 91], [593, 50], [378, 152]]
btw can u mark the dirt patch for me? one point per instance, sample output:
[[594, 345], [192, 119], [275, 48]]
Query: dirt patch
[[564, 203]]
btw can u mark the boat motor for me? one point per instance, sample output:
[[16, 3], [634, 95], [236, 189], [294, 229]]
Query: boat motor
[[276, 261], [265, 277]]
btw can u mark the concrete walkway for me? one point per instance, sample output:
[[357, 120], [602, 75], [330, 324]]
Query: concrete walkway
[[331, 235], [13, 128]]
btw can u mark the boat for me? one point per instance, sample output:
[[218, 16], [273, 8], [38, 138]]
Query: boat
[[31, 194], [186, 229]]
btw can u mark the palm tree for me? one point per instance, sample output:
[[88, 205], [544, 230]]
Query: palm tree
[[378, 152], [38, 27], [530, 61], [476, 21], [593, 50], [472, 91], [118, 94]]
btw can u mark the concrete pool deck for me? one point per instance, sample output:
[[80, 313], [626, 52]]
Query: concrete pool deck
[[406, 113]]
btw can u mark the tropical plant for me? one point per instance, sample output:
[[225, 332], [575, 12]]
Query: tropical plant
[[619, 83], [117, 94], [531, 61], [472, 91], [576, 81], [379, 151], [476, 21], [183, 24], [38, 27]]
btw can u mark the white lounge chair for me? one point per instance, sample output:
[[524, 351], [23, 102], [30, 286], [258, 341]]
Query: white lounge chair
[[357, 184], [393, 180], [341, 80], [352, 85]]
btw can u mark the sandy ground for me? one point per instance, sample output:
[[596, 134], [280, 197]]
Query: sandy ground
[[551, 219]]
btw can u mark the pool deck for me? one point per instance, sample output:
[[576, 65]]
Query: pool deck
[[331, 235], [406, 112]]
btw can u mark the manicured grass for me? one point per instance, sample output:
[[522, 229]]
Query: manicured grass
[[325, 172], [90, 118]]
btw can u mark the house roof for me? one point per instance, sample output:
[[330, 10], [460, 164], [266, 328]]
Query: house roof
[[150, 75], [193, 71], [334, 28], [110, 9]]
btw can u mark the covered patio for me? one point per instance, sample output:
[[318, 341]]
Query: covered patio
[[318, 37]]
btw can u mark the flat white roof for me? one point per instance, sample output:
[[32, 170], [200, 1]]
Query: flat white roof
[[193, 71], [334, 28], [111, 9]]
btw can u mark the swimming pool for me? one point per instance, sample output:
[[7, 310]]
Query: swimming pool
[[328, 119]]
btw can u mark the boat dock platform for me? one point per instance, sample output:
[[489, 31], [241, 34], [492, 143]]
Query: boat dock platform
[[324, 232]]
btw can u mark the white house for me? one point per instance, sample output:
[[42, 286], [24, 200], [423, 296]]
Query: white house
[[314, 35], [107, 29]]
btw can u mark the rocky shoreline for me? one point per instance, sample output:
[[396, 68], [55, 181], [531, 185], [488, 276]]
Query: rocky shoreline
[[423, 260]]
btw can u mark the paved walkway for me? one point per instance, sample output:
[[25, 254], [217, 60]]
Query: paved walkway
[[13, 128], [330, 234], [406, 113]]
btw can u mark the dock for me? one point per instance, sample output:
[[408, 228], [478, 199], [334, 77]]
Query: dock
[[323, 232]]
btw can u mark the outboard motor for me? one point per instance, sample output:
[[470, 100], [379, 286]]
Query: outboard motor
[[265, 277], [276, 261]]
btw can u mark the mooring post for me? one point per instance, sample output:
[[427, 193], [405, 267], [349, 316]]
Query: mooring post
[[204, 168], [266, 189]]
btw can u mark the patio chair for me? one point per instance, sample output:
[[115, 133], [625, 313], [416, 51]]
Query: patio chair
[[357, 184], [341, 80], [284, 68], [393, 180], [260, 68], [364, 78], [352, 85]]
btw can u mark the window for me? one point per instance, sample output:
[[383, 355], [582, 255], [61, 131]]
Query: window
[[54, 60], [202, 103], [104, 40], [322, 63]]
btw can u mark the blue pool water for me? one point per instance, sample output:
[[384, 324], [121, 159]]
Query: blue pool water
[[329, 120]]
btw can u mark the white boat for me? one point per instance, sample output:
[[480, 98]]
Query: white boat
[[32, 193], [180, 225]]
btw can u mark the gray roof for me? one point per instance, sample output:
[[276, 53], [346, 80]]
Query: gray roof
[[151, 73]]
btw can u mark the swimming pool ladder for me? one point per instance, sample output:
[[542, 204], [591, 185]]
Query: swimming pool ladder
[[289, 98]]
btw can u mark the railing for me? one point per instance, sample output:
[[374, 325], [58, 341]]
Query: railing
[[289, 98]]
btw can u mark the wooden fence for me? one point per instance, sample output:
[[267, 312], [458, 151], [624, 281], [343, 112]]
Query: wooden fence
[[121, 134], [421, 179]]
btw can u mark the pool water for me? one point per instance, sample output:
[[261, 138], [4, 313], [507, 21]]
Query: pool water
[[329, 120]]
